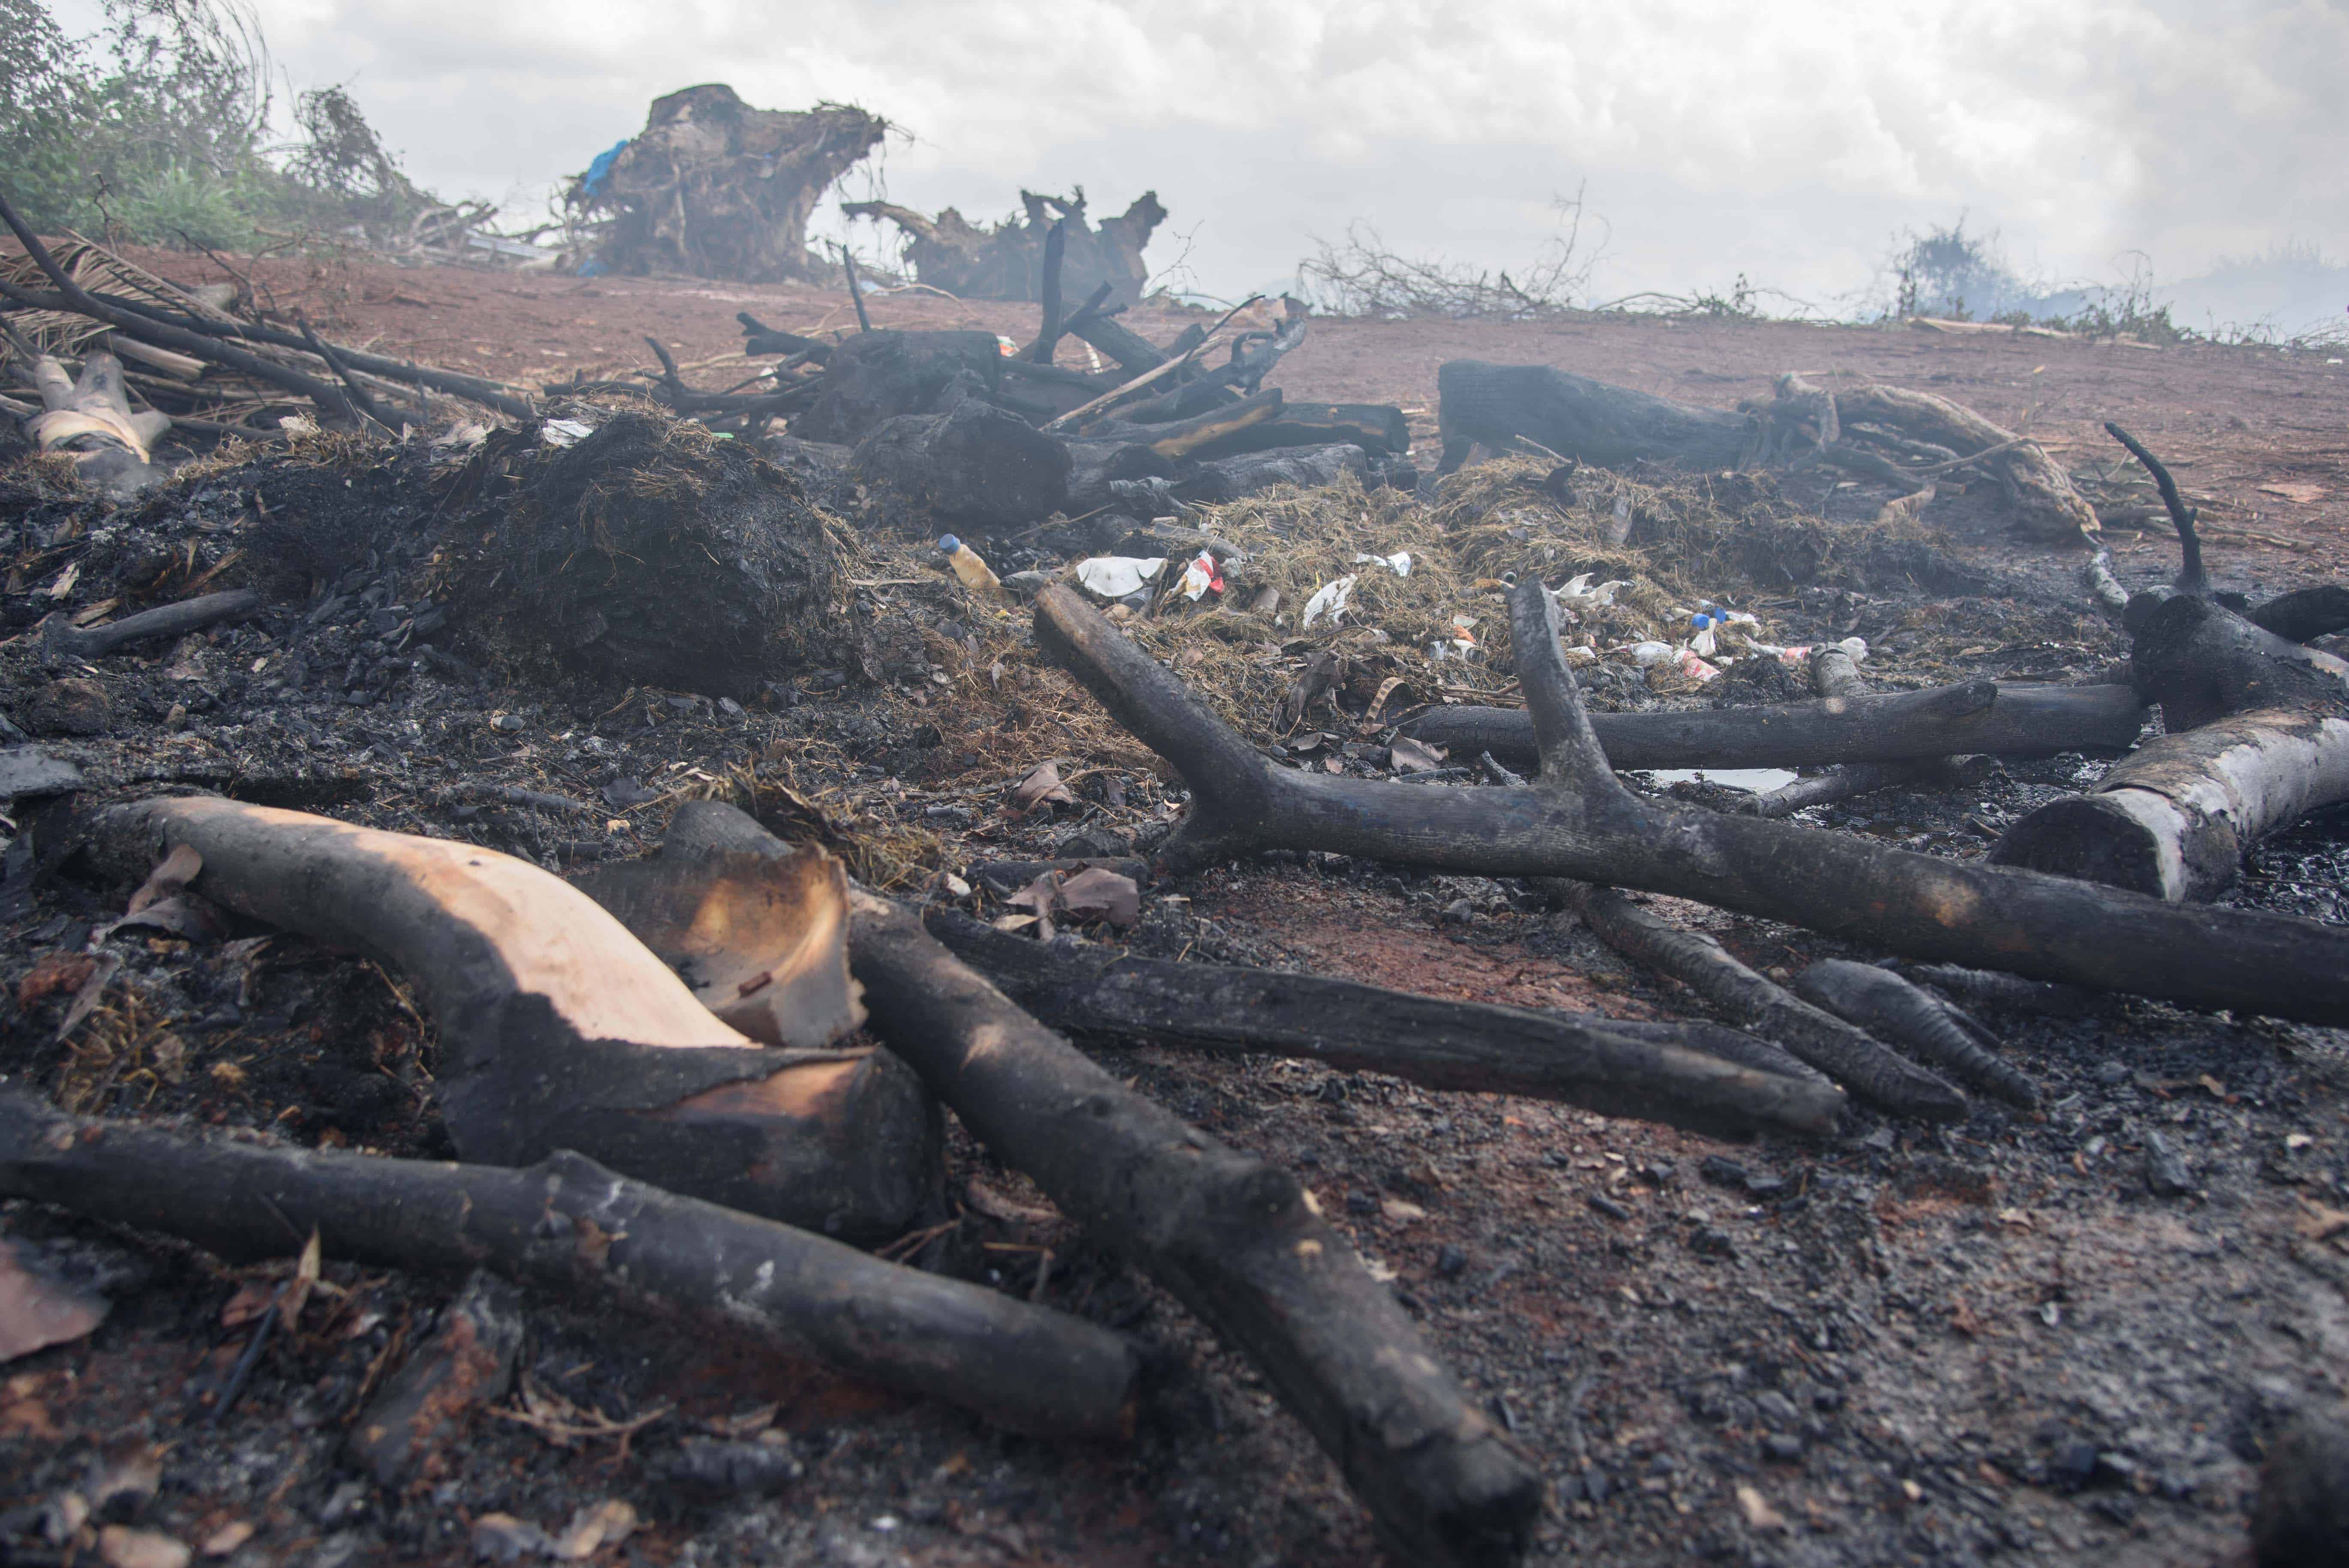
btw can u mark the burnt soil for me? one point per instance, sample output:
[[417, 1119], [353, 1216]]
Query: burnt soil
[[1979, 1342]]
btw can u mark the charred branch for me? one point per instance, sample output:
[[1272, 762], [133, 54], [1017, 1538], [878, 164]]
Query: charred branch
[[572, 1225], [1998, 719], [1914, 905], [1668, 1077]]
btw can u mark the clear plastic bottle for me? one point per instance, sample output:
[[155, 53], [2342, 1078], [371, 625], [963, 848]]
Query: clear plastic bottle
[[976, 575]]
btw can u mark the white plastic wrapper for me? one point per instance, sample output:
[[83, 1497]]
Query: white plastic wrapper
[[1329, 600], [1116, 576], [1399, 562]]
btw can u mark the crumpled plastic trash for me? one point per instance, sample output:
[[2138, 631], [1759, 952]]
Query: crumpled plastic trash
[[1578, 590], [1687, 662], [564, 432], [1647, 655], [1330, 600], [1399, 562], [1116, 576], [1202, 576]]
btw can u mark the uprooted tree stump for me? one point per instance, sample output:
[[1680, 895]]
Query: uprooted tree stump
[[650, 552], [1006, 260], [716, 188]]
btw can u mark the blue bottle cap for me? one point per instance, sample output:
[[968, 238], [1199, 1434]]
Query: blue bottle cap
[[950, 543]]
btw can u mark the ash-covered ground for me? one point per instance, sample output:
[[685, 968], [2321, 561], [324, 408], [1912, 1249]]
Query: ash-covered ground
[[2020, 1335]]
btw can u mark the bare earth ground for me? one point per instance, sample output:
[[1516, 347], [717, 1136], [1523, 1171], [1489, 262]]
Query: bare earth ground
[[1989, 1341]]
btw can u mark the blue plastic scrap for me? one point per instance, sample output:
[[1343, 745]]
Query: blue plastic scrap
[[599, 173]]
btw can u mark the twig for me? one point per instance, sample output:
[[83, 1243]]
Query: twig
[[855, 294], [2191, 577]]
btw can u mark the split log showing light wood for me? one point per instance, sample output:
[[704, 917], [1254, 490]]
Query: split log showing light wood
[[2259, 739], [1996, 717], [1427, 1040], [1592, 829], [1235, 1238], [570, 1225], [1577, 417], [559, 1029]]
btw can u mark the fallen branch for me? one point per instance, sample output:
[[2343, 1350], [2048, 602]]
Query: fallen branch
[[1834, 676], [1426, 1040], [1918, 905], [329, 398], [1849, 1055], [570, 1225], [1996, 718], [559, 1029]]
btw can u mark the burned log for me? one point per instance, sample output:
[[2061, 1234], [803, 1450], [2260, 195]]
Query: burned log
[[559, 1029], [1373, 427], [1006, 260], [2305, 614], [2000, 718], [2038, 493], [1574, 416], [1236, 1239], [1181, 438], [1367, 1028], [2259, 739], [1914, 905], [878, 376], [572, 1225], [976, 467], [1308, 468], [716, 188], [649, 554]]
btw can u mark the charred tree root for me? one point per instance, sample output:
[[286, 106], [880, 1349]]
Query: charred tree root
[[1236, 1239], [1438, 1044], [569, 1223], [2174, 818], [1915, 905], [1892, 727], [560, 1029], [1848, 1055]]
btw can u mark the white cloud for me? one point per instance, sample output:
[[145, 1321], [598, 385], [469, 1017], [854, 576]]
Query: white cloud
[[1784, 140]]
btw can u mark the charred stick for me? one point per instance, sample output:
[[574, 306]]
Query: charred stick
[[1842, 782], [570, 1225], [329, 397], [1237, 1239], [1664, 1075], [361, 399], [1917, 906], [1884, 1004], [2191, 577], [855, 294], [1752, 1001], [61, 636], [1983, 716], [1048, 334], [1989, 988]]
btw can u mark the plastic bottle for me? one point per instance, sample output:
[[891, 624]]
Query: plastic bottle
[[974, 574]]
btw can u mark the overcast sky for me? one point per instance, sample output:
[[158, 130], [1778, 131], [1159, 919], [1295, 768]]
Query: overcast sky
[[1786, 140]]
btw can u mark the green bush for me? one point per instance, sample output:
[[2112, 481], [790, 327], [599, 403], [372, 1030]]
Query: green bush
[[156, 132]]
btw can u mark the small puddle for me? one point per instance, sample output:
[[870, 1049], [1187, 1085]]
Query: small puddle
[[1761, 780]]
